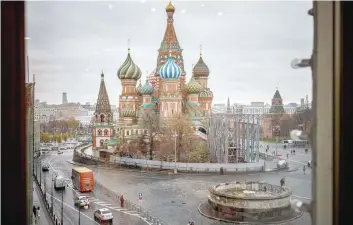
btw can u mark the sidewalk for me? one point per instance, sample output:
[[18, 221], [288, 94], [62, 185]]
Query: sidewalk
[[38, 201]]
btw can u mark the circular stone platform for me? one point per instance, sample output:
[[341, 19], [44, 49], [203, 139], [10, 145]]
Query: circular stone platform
[[249, 202]]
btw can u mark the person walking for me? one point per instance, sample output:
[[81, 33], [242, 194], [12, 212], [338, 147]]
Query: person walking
[[122, 201], [282, 182], [38, 212], [35, 214], [304, 168]]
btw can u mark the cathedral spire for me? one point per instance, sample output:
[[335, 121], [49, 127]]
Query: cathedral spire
[[228, 106], [170, 38], [103, 105]]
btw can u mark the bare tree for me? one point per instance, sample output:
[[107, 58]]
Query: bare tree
[[149, 120], [180, 126]]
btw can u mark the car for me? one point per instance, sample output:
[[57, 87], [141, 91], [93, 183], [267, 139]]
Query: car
[[45, 167], [103, 214], [82, 201], [60, 152]]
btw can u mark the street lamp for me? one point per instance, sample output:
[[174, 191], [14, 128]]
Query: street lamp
[[175, 153], [62, 202], [277, 133], [52, 193]]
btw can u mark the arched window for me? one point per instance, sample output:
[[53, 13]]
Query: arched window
[[99, 132], [101, 143], [102, 118], [105, 132]]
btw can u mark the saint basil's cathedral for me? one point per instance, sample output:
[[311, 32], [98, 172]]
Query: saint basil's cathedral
[[165, 91]]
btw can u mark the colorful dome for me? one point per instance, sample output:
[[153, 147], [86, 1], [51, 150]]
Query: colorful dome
[[129, 70], [201, 69], [206, 93], [146, 89], [128, 112], [170, 7], [193, 87], [138, 89], [170, 70]]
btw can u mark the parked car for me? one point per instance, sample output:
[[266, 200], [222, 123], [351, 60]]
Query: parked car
[[45, 167], [60, 152], [82, 201], [103, 214]]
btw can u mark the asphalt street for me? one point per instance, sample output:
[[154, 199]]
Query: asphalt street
[[172, 198], [71, 214]]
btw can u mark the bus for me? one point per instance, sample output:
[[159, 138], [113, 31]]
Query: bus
[[82, 179]]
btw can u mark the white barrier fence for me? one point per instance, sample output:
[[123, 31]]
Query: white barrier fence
[[189, 167], [180, 166]]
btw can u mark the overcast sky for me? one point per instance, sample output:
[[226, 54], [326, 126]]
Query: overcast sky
[[247, 45]]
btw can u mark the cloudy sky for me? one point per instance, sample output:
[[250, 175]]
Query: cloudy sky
[[248, 45]]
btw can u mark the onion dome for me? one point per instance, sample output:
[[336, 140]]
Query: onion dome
[[146, 89], [128, 112], [201, 69], [129, 70], [138, 89], [170, 70], [170, 7], [206, 93], [193, 87]]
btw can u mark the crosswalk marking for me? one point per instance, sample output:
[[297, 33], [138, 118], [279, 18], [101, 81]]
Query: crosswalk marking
[[99, 203], [106, 204]]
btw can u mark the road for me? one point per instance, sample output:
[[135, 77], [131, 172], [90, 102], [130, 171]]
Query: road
[[174, 199], [71, 214]]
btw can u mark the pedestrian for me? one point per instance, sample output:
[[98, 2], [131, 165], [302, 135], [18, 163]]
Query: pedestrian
[[38, 212], [282, 182], [122, 201], [35, 213], [287, 155], [192, 223], [304, 168]]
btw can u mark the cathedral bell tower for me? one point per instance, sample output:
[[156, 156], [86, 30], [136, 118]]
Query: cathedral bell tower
[[103, 128]]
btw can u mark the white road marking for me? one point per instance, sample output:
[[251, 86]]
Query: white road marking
[[106, 204], [100, 203], [74, 209], [297, 196]]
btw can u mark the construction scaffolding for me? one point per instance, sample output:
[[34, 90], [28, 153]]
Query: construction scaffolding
[[234, 138]]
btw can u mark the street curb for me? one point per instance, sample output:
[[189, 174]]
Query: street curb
[[44, 209], [283, 222]]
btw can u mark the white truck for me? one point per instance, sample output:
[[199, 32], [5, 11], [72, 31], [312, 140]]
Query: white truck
[[60, 182]]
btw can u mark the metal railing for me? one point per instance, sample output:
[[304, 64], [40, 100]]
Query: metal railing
[[129, 205]]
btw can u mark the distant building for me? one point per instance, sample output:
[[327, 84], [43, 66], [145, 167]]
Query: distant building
[[64, 100]]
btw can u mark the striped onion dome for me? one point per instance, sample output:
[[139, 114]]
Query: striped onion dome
[[128, 112], [138, 89], [146, 89], [201, 69], [193, 87], [206, 93], [129, 70], [170, 70]]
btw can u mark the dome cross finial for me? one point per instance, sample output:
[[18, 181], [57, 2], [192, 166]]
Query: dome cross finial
[[200, 50], [128, 45], [102, 75]]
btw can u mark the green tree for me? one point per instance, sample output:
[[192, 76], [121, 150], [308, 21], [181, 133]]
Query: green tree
[[58, 138], [64, 136], [44, 137], [200, 154]]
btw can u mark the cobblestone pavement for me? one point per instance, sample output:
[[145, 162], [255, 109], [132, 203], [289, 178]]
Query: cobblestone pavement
[[175, 198]]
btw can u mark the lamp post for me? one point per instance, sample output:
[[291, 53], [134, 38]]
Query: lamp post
[[62, 202], [175, 154], [40, 173], [277, 132], [52, 193]]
